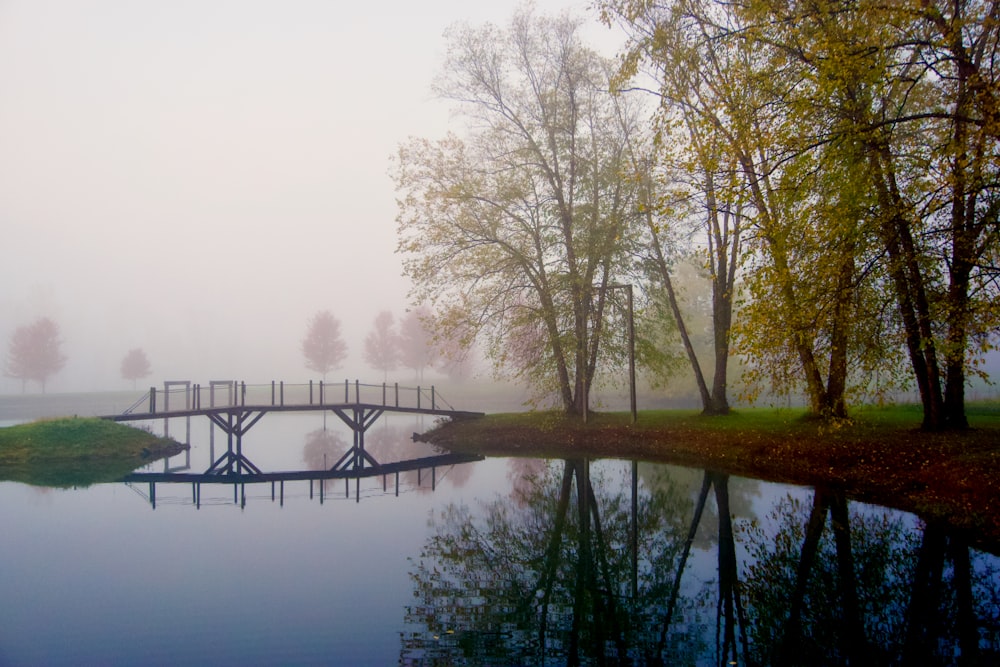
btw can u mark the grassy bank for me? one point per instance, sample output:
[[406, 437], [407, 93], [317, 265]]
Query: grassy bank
[[77, 452], [880, 456]]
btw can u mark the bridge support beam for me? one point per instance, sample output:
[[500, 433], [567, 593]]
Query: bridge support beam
[[360, 421], [235, 424]]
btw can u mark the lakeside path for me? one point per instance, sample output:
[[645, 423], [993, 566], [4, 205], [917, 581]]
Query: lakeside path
[[886, 461]]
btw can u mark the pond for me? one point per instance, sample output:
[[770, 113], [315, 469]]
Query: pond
[[499, 561]]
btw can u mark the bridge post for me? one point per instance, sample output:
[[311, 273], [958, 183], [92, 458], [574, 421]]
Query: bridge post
[[321, 402], [397, 394], [347, 391], [310, 392], [152, 400], [357, 391], [418, 397], [433, 400]]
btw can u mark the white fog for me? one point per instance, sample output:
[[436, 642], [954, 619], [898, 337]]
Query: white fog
[[197, 179]]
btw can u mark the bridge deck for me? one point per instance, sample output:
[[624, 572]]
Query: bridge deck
[[267, 407], [219, 398]]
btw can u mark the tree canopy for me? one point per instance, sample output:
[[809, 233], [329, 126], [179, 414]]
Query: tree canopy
[[512, 230], [862, 138]]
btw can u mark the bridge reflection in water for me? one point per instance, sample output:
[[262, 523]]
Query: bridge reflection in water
[[316, 478]]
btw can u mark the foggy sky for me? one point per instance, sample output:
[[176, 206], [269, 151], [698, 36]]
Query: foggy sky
[[198, 178]]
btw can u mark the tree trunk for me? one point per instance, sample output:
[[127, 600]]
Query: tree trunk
[[722, 238], [664, 271], [911, 297], [963, 233], [722, 314], [836, 379]]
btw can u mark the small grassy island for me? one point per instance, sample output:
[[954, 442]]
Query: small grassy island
[[75, 451], [880, 456]]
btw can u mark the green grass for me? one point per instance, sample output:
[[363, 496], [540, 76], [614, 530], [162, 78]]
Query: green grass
[[76, 452], [879, 455], [773, 422]]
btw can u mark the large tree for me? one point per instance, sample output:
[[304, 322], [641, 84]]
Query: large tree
[[690, 219], [912, 88], [719, 91], [34, 353], [865, 136], [323, 347], [513, 231]]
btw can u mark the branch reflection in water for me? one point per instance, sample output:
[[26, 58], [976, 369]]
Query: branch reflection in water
[[544, 576]]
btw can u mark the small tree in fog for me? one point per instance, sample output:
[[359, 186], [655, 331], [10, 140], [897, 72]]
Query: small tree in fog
[[135, 365], [416, 341], [323, 346], [382, 344], [34, 353]]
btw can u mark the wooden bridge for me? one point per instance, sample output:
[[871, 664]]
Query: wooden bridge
[[235, 407]]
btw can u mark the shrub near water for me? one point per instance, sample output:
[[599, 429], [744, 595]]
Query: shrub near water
[[77, 452]]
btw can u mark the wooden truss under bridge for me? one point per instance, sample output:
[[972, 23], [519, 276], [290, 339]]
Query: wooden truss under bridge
[[235, 407]]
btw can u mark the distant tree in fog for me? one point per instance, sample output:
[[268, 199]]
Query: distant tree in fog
[[135, 365], [416, 341], [382, 344], [323, 347], [34, 353]]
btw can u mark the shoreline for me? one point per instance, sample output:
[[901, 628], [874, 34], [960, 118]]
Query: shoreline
[[950, 476]]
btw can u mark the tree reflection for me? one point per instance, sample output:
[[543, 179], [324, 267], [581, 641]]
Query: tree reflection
[[544, 577], [548, 577], [867, 590]]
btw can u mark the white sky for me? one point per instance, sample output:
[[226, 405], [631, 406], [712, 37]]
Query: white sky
[[198, 177]]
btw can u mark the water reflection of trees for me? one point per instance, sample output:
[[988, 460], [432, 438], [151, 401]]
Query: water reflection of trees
[[868, 589], [548, 579]]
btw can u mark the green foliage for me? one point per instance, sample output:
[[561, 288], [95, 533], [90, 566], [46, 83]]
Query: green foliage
[[862, 140], [76, 452], [509, 231]]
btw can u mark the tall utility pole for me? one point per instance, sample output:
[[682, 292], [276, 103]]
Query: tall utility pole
[[630, 326]]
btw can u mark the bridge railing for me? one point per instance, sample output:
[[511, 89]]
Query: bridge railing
[[230, 393]]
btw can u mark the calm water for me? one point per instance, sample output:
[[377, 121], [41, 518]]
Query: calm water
[[502, 562]]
